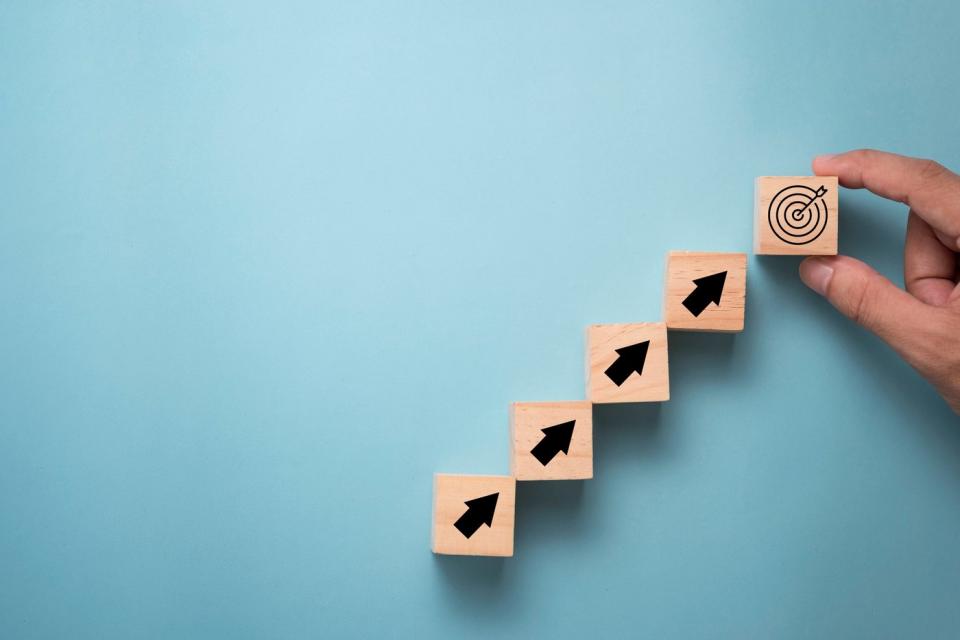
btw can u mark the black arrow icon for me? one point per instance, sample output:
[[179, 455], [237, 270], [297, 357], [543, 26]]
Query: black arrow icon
[[709, 289], [479, 511], [555, 439], [631, 359]]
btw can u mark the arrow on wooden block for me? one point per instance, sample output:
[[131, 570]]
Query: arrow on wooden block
[[555, 439], [479, 512], [709, 289], [631, 359]]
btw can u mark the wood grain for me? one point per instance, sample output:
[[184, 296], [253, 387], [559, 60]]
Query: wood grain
[[528, 419], [602, 342], [765, 239], [683, 267], [450, 493]]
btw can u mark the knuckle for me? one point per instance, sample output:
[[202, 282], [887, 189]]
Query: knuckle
[[939, 357], [946, 344], [931, 171], [863, 307], [862, 156], [867, 154]]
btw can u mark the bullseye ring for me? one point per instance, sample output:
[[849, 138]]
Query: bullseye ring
[[797, 214]]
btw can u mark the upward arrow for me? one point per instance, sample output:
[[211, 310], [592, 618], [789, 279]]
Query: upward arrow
[[479, 511], [631, 359], [709, 289], [555, 439]]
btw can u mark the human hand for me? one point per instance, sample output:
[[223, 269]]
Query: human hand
[[922, 324]]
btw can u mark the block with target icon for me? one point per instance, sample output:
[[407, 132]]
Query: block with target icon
[[705, 291], [796, 215], [551, 440], [627, 363], [473, 515]]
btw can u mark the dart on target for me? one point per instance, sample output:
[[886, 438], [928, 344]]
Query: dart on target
[[798, 214]]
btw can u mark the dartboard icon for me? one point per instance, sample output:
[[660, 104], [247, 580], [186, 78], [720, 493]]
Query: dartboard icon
[[798, 214]]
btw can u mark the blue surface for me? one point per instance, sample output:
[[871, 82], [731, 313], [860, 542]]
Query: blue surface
[[265, 269]]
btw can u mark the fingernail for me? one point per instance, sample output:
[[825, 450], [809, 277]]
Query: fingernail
[[816, 274]]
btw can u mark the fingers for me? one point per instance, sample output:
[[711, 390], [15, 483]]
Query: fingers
[[928, 188], [929, 267], [866, 297]]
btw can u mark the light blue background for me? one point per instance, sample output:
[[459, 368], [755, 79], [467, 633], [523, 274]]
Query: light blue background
[[265, 268]]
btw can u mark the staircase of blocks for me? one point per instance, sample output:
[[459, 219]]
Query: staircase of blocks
[[474, 514]]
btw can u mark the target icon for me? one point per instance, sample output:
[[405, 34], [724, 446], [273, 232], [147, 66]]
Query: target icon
[[798, 214]]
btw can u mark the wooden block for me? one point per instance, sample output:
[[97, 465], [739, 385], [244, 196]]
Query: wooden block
[[627, 363], [551, 440], [473, 515], [795, 215], [705, 291]]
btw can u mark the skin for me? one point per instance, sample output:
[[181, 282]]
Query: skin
[[922, 324]]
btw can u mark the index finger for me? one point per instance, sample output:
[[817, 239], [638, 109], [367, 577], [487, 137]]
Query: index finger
[[929, 189]]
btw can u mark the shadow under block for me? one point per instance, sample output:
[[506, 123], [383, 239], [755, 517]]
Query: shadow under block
[[705, 291], [627, 363], [795, 215], [473, 515], [551, 440]]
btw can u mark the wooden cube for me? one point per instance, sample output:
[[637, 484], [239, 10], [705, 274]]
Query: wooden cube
[[551, 440], [473, 515], [705, 291], [627, 363], [795, 215]]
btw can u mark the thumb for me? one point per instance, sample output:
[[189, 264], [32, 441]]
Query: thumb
[[872, 301]]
